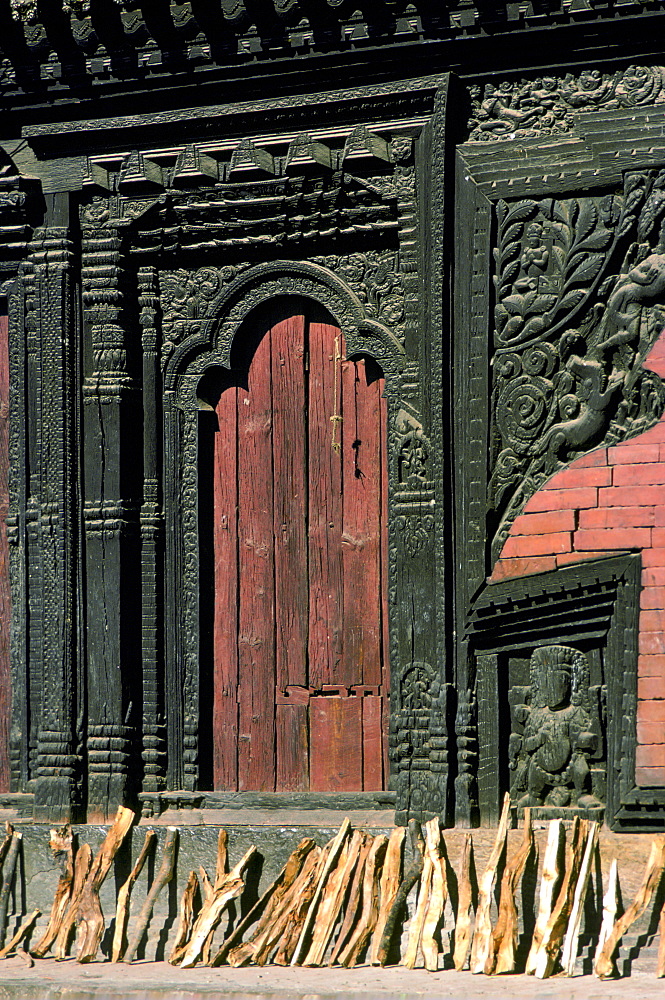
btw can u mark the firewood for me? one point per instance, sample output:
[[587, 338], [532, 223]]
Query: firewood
[[660, 968], [21, 933], [332, 900], [354, 901], [82, 865], [25, 956], [604, 966], [417, 921], [61, 842], [335, 851], [464, 905], [207, 888], [550, 946], [610, 907], [438, 895], [8, 874], [164, 876], [370, 904], [390, 880], [222, 863], [411, 876], [230, 887], [89, 916], [501, 957], [185, 919], [4, 847], [122, 907], [549, 885], [288, 923], [265, 909], [569, 951], [482, 935]]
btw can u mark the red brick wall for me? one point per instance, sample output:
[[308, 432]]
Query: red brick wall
[[612, 499]]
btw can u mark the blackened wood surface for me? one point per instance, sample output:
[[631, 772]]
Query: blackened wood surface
[[5, 595]]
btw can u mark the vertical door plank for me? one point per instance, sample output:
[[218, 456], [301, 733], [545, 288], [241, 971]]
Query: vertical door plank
[[335, 758], [372, 742], [225, 635], [5, 593], [256, 626], [290, 533], [325, 506], [361, 535]]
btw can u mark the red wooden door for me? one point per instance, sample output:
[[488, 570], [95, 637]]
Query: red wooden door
[[301, 667]]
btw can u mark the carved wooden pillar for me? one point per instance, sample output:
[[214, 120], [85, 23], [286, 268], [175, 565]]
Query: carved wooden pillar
[[113, 480], [152, 543], [51, 516]]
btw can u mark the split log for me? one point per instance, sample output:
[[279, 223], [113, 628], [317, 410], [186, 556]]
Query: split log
[[290, 920], [207, 888], [482, 934], [230, 887], [549, 885], [8, 874], [21, 933], [25, 956], [266, 908], [89, 916], [122, 907], [411, 876], [369, 912], [660, 968], [335, 851], [390, 880], [332, 900], [464, 905], [550, 947], [604, 966], [503, 947], [164, 876], [82, 865], [222, 863], [61, 842], [569, 951], [610, 907], [354, 901], [418, 920], [185, 919], [438, 895]]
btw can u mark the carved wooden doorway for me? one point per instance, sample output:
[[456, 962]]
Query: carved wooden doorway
[[301, 674]]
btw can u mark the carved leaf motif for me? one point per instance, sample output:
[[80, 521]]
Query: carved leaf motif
[[587, 269]]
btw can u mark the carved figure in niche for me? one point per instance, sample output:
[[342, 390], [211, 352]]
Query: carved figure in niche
[[550, 759], [413, 455], [642, 284]]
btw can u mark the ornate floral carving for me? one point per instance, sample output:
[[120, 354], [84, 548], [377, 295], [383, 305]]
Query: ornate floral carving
[[547, 105], [375, 278]]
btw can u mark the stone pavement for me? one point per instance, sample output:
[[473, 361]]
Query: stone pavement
[[50, 980]]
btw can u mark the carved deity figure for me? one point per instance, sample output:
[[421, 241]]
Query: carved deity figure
[[644, 283], [550, 759]]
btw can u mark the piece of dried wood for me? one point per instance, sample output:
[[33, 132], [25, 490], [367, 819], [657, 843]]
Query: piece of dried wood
[[185, 919], [25, 956], [230, 887], [660, 968], [369, 912], [482, 935], [501, 957], [8, 874], [163, 877], [125, 891], [222, 863], [61, 842], [333, 899], [569, 950], [335, 851], [266, 908], [411, 876], [89, 917], [287, 925], [418, 919], [610, 908], [549, 886], [550, 946], [21, 933], [604, 966], [354, 901], [390, 880], [82, 864], [464, 905], [434, 848]]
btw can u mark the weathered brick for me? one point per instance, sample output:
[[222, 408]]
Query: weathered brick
[[574, 557], [651, 711], [652, 598], [543, 524], [650, 777], [652, 621], [508, 568], [651, 665], [522, 546], [650, 732], [626, 496], [592, 460], [658, 538], [653, 577], [659, 516], [647, 474], [651, 642], [609, 539], [653, 557], [574, 499], [652, 755], [650, 688], [630, 453], [572, 478], [617, 517]]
